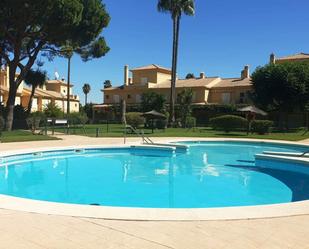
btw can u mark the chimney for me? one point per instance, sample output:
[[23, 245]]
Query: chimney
[[245, 73], [126, 75], [272, 59], [202, 75]]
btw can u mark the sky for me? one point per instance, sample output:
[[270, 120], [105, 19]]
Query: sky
[[219, 40]]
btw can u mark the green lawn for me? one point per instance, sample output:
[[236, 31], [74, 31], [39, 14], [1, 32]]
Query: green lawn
[[22, 136], [116, 130]]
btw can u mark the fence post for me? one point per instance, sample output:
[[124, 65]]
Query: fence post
[[97, 132]]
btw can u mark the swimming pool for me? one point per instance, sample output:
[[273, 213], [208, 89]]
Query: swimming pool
[[210, 174]]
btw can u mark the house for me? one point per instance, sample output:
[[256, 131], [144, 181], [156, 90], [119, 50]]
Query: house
[[54, 91], [154, 78], [300, 57]]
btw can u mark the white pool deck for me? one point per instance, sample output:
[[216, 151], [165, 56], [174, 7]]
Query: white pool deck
[[20, 229]]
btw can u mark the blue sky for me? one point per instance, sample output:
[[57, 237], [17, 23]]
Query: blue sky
[[219, 40]]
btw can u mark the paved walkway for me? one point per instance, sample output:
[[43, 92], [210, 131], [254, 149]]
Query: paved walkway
[[32, 231]]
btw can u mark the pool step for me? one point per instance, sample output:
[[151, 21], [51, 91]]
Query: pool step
[[152, 150], [180, 148], [289, 154]]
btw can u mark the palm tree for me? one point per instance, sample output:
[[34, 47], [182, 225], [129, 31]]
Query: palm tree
[[86, 90], [176, 8], [34, 79], [67, 52]]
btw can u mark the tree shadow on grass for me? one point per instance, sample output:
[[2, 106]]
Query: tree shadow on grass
[[231, 135]]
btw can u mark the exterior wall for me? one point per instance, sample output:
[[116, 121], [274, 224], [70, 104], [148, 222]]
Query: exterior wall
[[152, 76], [161, 77], [216, 95], [63, 90], [39, 103], [74, 106], [132, 94]]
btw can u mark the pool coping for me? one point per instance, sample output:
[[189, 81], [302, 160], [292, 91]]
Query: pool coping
[[153, 214]]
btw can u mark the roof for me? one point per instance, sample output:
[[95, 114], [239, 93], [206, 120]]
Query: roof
[[299, 56], [232, 82], [210, 82], [47, 94], [4, 88], [62, 82], [152, 67]]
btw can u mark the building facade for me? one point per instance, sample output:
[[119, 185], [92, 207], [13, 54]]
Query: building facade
[[54, 91], [154, 78]]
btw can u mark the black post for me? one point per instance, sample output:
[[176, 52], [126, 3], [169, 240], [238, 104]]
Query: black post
[[97, 132]]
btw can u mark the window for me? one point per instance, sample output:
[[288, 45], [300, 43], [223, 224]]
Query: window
[[144, 80], [129, 96], [107, 96], [226, 98], [241, 97], [116, 99], [138, 98], [63, 90]]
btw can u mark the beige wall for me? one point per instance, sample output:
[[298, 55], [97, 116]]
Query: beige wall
[[200, 94], [39, 103], [130, 94], [216, 95], [153, 76]]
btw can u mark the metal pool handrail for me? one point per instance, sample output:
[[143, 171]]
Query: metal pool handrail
[[304, 153]]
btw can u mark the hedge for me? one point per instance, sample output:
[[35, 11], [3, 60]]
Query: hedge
[[228, 123]]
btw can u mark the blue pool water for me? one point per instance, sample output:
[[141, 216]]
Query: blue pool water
[[210, 174]]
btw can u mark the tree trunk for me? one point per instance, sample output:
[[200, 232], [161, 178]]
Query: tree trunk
[[68, 85], [11, 99], [123, 112], [30, 100], [86, 95], [174, 68]]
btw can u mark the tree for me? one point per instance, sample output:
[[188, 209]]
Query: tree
[[281, 87], [34, 79], [176, 8], [190, 76], [185, 98], [96, 49], [153, 101], [53, 111], [86, 90], [29, 28], [107, 84]]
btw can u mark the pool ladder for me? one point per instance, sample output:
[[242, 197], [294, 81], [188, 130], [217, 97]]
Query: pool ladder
[[144, 138], [304, 153]]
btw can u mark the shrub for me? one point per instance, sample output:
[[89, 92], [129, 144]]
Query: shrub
[[20, 116], [77, 118], [1, 124], [190, 122], [261, 126], [228, 123], [53, 111], [161, 123], [135, 119], [34, 120]]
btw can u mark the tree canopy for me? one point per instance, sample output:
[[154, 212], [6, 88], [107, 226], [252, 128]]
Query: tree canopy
[[190, 76], [32, 27], [153, 101], [107, 84], [283, 87]]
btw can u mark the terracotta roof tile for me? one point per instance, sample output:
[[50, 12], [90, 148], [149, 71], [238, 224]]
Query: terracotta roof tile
[[152, 66], [299, 56]]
